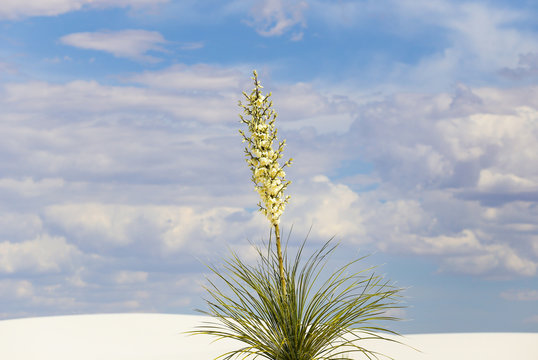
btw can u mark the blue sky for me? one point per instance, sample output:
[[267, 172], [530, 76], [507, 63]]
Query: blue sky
[[413, 126]]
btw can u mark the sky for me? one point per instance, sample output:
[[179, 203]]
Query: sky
[[413, 126]]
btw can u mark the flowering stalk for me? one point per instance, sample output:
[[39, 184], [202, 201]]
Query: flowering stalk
[[289, 314], [267, 173]]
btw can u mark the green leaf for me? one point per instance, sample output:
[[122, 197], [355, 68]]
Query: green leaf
[[317, 319]]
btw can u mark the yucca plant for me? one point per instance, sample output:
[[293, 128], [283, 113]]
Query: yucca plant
[[281, 307]]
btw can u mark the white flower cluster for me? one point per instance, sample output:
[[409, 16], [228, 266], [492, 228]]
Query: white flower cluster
[[267, 174]]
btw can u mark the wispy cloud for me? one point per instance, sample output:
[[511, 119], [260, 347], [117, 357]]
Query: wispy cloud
[[191, 78], [275, 17], [92, 97], [13, 9], [131, 44], [473, 41], [192, 45], [7, 68], [480, 36]]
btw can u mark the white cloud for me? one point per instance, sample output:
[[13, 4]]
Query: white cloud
[[17, 226], [89, 97], [303, 105], [489, 33], [131, 44], [192, 78], [144, 170], [28, 187], [331, 209], [129, 277], [275, 17], [409, 228], [465, 242], [17, 289], [43, 254], [492, 259], [527, 67], [473, 40], [104, 223], [432, 144], [128, 177], [482, 40], [159, 229], [13, 9], [491, 181], [458, 166], [402, 226], [341, 13], [440, 152]]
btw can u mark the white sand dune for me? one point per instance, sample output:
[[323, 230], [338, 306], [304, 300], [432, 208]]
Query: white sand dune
[[161, 337]]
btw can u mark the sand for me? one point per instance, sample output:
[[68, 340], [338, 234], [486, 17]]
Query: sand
[[162, 337]]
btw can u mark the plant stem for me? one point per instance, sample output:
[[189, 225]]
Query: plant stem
[[280, 259]]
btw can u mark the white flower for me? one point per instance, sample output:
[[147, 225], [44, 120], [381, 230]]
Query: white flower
[[267, 173], [264, 161], [259, 172]]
